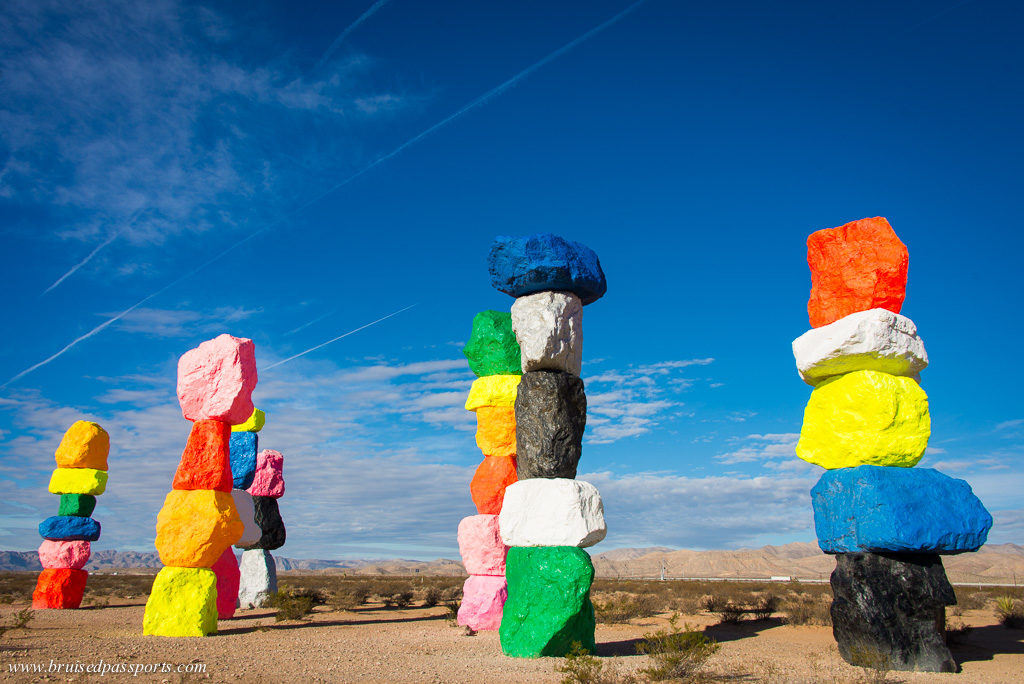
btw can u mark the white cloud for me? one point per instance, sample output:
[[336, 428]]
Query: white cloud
[[181, 322], [762, 449]]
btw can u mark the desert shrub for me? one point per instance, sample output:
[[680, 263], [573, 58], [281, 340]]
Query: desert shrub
[[676, 653], [622, 607], [452, 593], [1010, 612], [956, 630], [452, 605], [291, 605], [764, 607], [876, 665], [6, 599], [804, 609], [726, 609], [580, 667], [432, 596], [402, 599]]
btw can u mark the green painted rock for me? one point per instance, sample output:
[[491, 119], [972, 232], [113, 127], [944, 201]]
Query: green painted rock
[[492, 348], [548, 606], [81, 505]]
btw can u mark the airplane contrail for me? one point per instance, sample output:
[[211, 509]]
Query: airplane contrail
[[350, 332], [351, 27], [315, 320], [81, 263], [483, 99]]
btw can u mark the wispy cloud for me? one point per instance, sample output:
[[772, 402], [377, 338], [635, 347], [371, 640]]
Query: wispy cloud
[[336, 43], [182, 322]]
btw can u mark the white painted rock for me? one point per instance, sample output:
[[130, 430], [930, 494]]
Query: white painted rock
[[877, 340], [552, 512], [258, 579], [247, 512], [549, 329]]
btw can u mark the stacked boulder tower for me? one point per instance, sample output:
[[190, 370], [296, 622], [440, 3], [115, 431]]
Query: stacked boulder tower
[[547, 517], [80, 477], [867, 423], [264, 533], [493, 356], [199, 519]]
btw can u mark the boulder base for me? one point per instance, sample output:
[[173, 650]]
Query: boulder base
[[523, 265], [888, 611], [59, 588], [480, 545], [483, 597], [551, 414], [182, 603], [216, 379], [548, 606], [206, 462], [64, 554], [258, 578], [492, 477], [194, 527], [268, 519], [226, 569], [549, 329], [496, 430], [492, 348], [552, 512], [85, 445]]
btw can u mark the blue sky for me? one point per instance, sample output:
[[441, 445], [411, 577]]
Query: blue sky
[[170, 171]]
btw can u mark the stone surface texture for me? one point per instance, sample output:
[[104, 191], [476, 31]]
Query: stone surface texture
[[549, 329], [216, 379], [268, 479], [492, 390], [78, 481], [243, 446], [483, 597], [77, 504], [59, 588], [206, 461], [551, 414], [258, 578], [496, 430], [195, 526], [64, 554], [889, 610], [69, 528], [228, 575], [548, 606], [904, 510], [523, 265], [492, 477], [251, 532], [552, 512], [182, 603], [877, 340], [480, 545], [254, 423], [84, 445], [268, 518], [862, 418], [492, 348], [858, 266]]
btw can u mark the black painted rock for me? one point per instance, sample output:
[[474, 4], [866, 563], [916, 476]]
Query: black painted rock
[[551, 413], [888, 611], [268, 517]]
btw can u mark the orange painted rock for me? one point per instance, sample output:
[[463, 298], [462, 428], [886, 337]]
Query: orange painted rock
[[489, 483], [194, 527], [496, 430], [85, 445], [858, 266], [59, 588], [206, 461]]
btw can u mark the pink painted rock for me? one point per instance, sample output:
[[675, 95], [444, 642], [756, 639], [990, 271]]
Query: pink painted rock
[[216, 379], [64, 554], [483, 552], [483, 597], [269, 478], [228, 579]]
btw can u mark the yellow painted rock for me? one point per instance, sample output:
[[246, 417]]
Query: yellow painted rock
[[496, 430], [182, 603], [78, 481], [195, 526], [85, 445], [493, 390], [865, 418], [255, 422]]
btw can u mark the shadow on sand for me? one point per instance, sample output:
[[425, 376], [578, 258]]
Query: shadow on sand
[[323, 623], [983, 643]]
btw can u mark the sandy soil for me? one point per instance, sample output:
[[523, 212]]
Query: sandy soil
[[375, 644]]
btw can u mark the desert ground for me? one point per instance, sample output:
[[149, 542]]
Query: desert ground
[[352, 634]]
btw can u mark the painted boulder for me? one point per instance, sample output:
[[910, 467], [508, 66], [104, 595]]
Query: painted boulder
[[243, 446], [195, 526], [552, 512], [483, 597], [549, 329], [492, 348], [182, 603], [84, 445], [206, 461], [216, 380], [69, 528], [523, 265], [480, 545]]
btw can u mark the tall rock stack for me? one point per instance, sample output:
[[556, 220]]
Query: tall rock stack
[[264, 531], [199, 519], [493, 356], [867, 424], [547, 517], [80, 477]]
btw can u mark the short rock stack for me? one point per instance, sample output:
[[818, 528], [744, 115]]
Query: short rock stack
[[867, 423], [264, 531], [80, 477], [547, 517], [199, 519], [493, 355]]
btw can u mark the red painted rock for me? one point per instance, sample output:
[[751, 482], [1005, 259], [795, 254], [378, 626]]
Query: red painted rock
[[483, 598], [269, 478], [228, 578], [480, 545], [64, 554], [59, 588], [489, 483], [206, 461], [496, 430], [216, 379], [858, 266]]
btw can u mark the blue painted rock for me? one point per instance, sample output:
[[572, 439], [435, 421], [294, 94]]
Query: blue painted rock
[[524, 265], [69, 528], [244, 446], [884, 509]]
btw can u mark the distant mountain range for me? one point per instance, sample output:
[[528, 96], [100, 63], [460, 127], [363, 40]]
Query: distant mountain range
[[994, 563]]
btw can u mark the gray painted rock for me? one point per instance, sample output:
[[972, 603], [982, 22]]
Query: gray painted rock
[[549, 329], [251, 533], [888, 611], [551, 413], [268, 518], [258, 580]]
